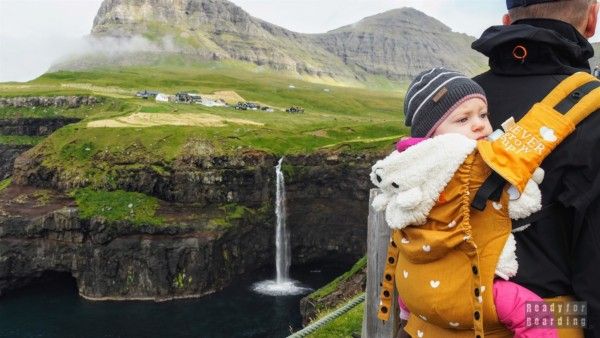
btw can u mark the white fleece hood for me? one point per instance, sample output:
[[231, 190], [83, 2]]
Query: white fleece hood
[[412, 181]]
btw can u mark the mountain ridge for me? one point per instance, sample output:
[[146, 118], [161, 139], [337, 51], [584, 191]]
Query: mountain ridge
[[396, 44], [403, 45]]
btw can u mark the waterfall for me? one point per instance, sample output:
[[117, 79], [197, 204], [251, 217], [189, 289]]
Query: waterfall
[[282, 285], [282, 235]]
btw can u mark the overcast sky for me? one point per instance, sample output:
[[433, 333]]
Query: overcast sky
[[34, 33]]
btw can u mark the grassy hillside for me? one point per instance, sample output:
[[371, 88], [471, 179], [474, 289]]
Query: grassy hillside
[[336, 117]]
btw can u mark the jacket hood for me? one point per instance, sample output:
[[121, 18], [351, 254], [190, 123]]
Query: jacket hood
[[548, 47]]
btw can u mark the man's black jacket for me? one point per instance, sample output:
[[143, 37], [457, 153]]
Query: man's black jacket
[[558, 255]]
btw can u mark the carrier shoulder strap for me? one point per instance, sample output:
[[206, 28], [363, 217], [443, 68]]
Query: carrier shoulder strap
[[523, 146]]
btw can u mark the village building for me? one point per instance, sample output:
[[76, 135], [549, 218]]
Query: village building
[[145, 94], [184, 97], [161, 97], [212, 103]]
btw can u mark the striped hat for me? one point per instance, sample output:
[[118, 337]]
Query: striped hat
[[433, 95]]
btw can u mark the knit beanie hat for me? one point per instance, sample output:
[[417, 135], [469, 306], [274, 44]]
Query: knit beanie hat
[[433, 95]]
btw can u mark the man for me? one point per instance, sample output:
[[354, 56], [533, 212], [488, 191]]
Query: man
[[541, 43]]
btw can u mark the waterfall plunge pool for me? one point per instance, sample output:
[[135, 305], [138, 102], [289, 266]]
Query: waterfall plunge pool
[[53, 309]]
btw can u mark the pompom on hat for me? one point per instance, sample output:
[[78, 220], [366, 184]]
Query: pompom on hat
[[433, 95]]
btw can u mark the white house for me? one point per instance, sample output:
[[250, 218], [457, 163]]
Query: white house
[[160, 97]]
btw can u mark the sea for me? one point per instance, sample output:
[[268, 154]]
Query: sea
[[52, 308]]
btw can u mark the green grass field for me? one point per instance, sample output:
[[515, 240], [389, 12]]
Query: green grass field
[[336, 117]]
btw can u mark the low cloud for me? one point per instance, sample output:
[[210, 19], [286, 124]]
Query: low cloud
[[28, 58]]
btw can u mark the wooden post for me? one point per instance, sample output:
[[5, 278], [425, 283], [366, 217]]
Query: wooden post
[[378, 238]]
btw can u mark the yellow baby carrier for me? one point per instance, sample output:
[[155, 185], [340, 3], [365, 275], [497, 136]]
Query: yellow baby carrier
[[444, 268]]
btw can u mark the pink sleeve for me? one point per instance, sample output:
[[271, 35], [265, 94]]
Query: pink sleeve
[[404, 312], [408, 142], [511, 305]]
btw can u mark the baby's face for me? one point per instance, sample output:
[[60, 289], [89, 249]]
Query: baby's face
[[469, 119]]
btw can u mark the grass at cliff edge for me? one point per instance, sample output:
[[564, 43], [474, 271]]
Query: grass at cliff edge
[[332, 286], [343, 326]]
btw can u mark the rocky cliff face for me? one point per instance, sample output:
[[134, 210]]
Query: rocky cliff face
[[48, 101], [395, 44], [327, 196], [8, 154], [118, 260], [34, 126], [215, 30]]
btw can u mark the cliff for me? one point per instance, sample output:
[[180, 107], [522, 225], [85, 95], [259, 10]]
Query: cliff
[[14, 124], [8, 154], [48, 101], [34, 126], [118, 260], [200, 247]]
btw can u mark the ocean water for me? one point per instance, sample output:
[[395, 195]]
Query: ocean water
[[53, 309]]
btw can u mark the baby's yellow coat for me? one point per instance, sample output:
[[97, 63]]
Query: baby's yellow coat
[[440, 260]]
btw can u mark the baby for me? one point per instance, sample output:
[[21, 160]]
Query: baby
[[439, 103]]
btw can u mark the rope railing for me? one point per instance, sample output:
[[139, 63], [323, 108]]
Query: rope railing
[[328, 318]]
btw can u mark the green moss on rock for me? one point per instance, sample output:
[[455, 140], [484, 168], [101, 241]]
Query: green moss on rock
[[137, 208], [5, 183]]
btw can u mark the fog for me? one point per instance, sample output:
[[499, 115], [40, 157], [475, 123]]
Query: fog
[[26, 60]]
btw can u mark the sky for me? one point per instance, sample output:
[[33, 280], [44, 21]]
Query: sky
[[35, 33]]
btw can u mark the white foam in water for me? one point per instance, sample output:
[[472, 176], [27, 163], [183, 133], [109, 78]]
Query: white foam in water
[[285, 288]]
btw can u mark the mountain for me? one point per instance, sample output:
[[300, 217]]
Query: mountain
[[402, 42], [396, 44], [215, 30]]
